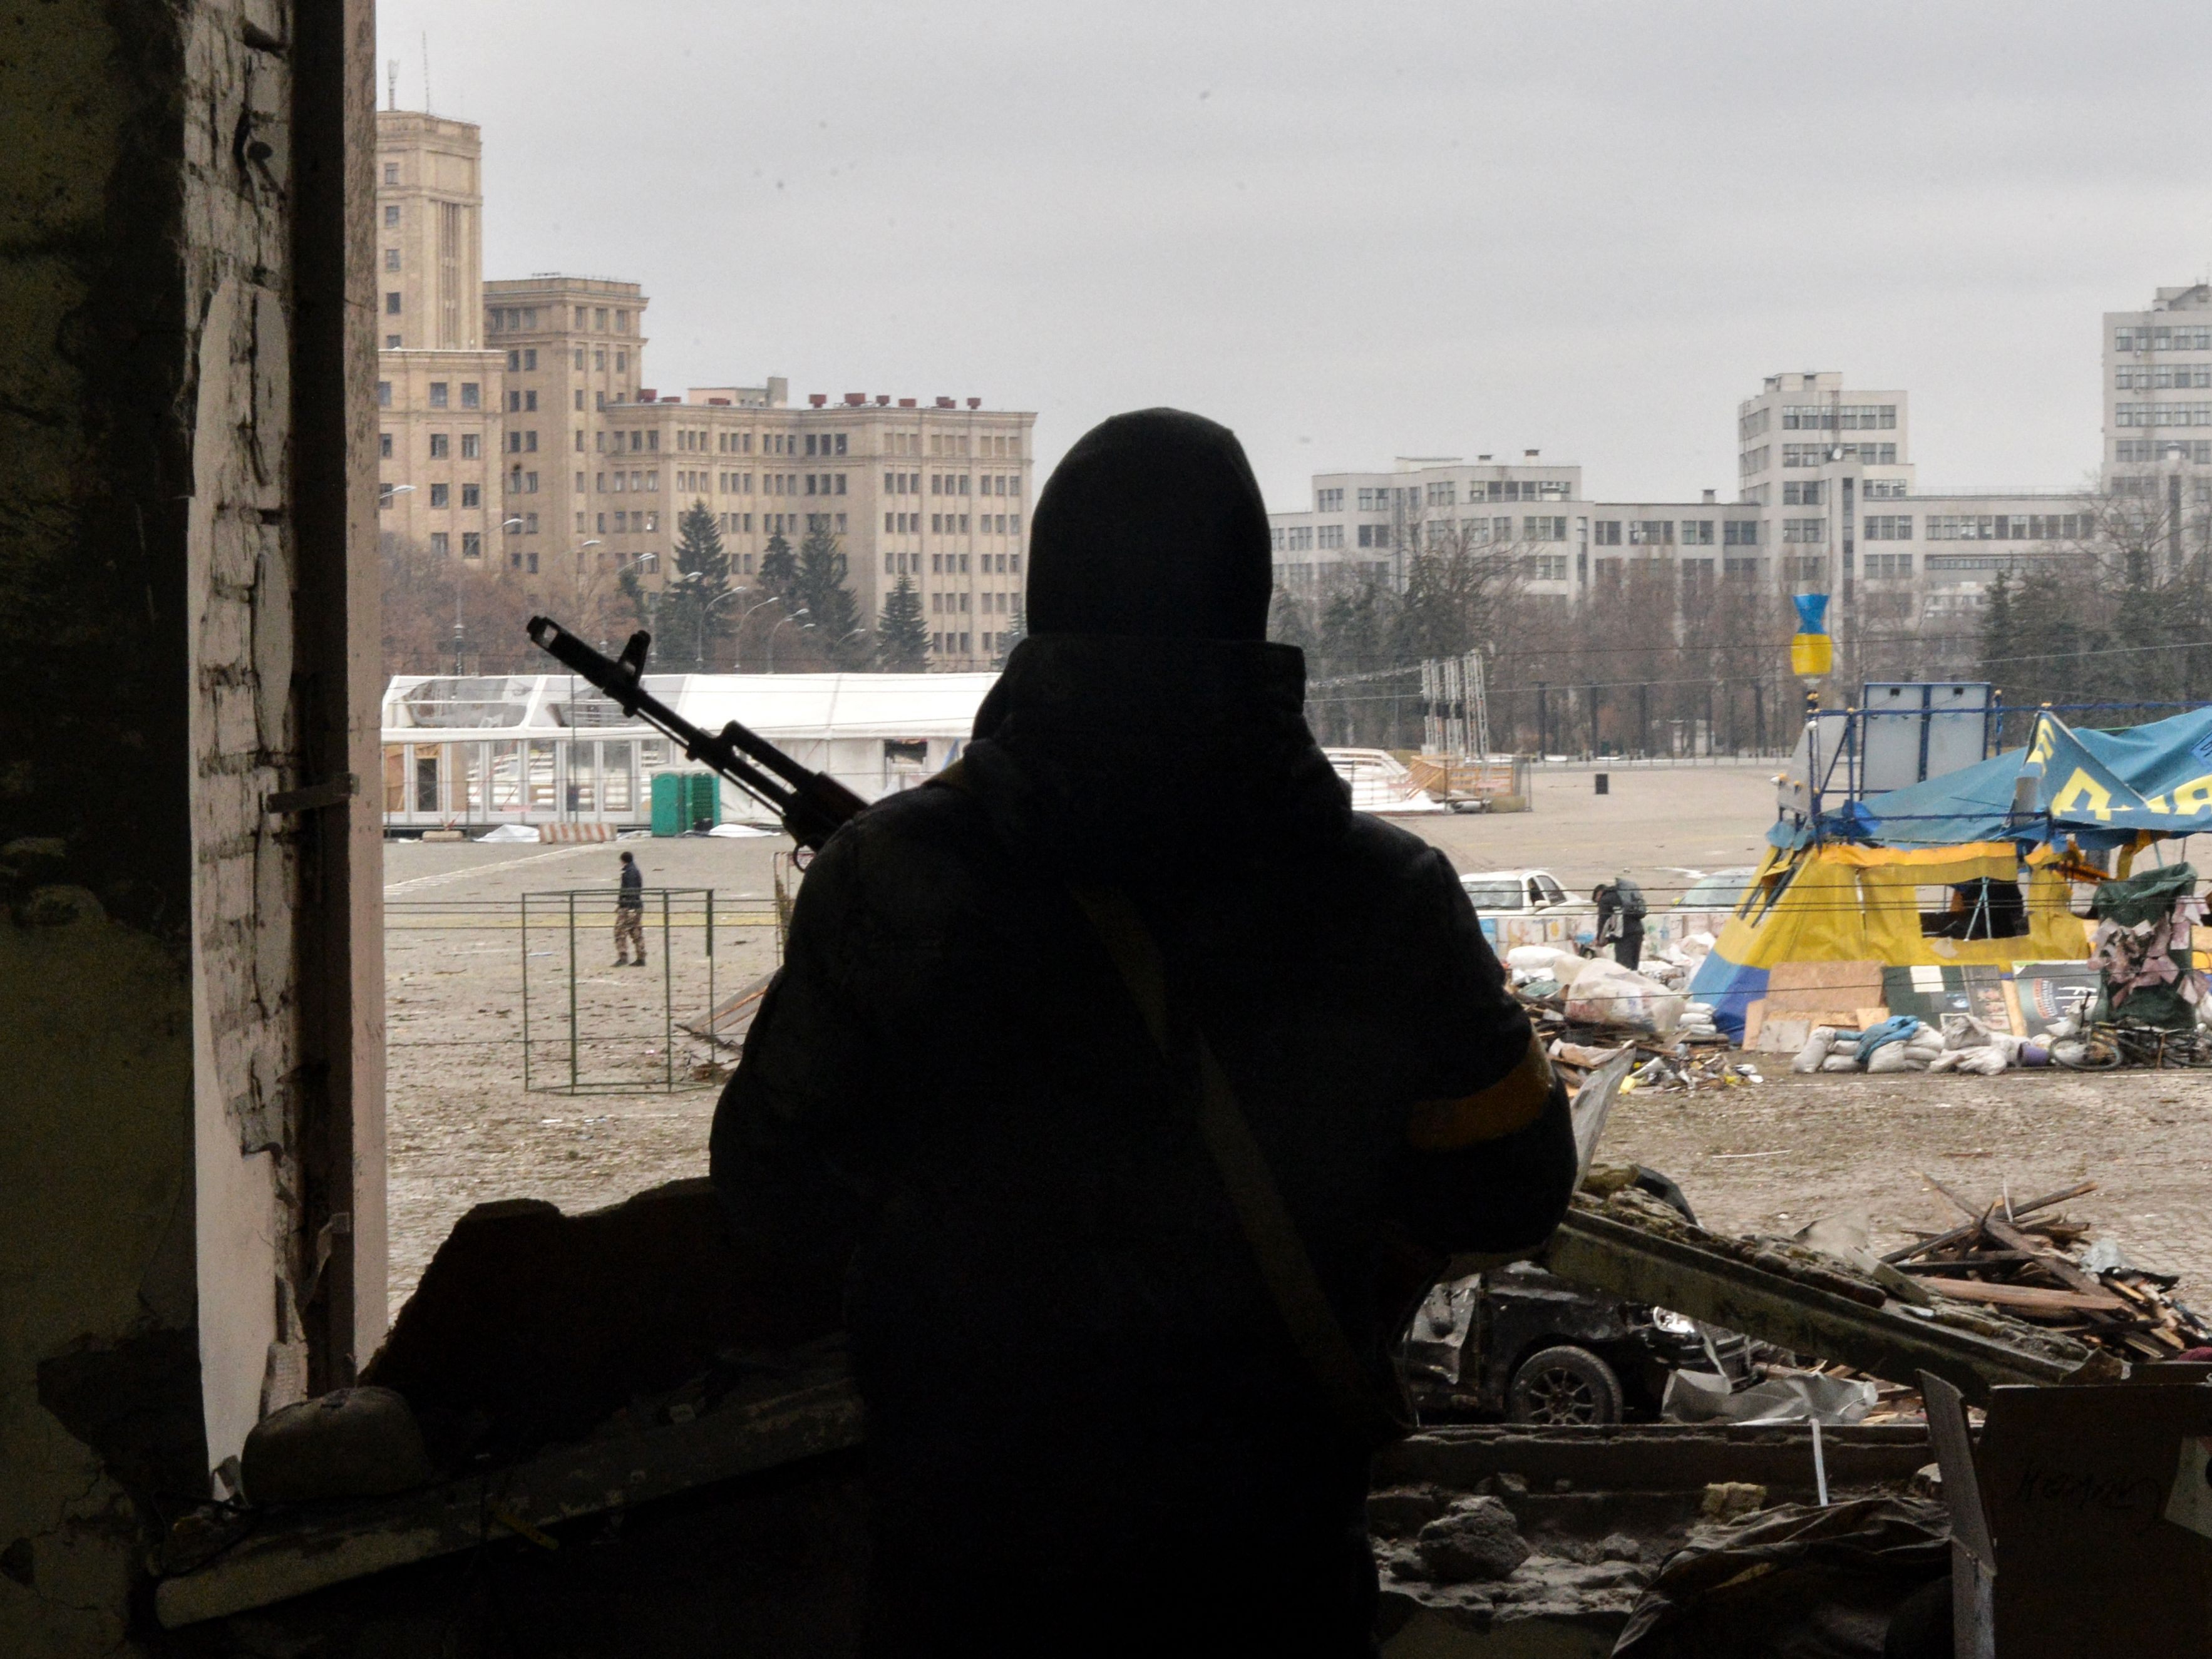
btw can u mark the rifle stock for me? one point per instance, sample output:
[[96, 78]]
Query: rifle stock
[[811, 804]]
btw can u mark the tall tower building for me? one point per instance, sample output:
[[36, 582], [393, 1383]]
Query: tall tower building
[[572, 350], [2157, 412], [439, 394]]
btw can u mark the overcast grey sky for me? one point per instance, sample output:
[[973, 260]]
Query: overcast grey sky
[[1357, 232]]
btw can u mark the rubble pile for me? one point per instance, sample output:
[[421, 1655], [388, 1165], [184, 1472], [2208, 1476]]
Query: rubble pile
[[2039, 1271], [1587, 1011], [1612, 1194]]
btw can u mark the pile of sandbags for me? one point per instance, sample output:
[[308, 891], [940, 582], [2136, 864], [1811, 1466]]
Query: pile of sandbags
[[1971, 1046], [1902, 1044], [1699, 1024]]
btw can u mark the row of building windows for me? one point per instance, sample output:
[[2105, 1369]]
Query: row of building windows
[[957, 644], [2142, 415], [953, 524], [1382, 498], [2000, 562], [2162, 339], [1821, 455], [2197, 450], [1657, 532], [2008, 527], [442, 544], [1882, 566], [2160, 378], [942, 602], [1838, 417], [953, 564], [1814, 531], [1810, 493], [472, 394], [1750, 426], [511, 320], [441, 444], [1610, 572], [1328, 500]]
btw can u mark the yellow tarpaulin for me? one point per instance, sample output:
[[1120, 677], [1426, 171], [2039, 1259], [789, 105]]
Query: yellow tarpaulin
[[1840, 903]]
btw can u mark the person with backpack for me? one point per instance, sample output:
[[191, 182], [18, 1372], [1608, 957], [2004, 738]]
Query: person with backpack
[[1620, 919]]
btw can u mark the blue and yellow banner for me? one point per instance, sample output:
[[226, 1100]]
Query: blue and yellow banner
[[1811, 653]]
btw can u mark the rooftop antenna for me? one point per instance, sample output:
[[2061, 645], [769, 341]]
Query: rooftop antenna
[[426, 71], [392, 83]]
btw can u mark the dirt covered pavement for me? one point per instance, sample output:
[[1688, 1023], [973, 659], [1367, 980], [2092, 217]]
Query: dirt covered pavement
[[464, 1129]]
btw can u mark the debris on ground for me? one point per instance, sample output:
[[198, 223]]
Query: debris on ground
[[2027, 1260], [1603, 1010]]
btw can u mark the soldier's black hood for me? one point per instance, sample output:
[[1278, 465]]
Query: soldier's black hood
[[1113, 758], [1146, 726], [1152, 526]]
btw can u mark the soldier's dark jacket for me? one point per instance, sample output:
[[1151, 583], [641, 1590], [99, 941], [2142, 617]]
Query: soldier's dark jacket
[[1088, 1428]]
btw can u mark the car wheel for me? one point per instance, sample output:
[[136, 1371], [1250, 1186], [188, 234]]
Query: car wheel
[[1564, 1385]]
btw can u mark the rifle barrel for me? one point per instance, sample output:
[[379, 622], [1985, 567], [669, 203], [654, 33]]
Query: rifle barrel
[[795, 803]]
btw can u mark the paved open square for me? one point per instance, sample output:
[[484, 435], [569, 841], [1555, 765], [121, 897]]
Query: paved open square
[[465, 1129]]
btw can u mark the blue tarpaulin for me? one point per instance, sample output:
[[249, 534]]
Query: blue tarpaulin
[[2099, 788]]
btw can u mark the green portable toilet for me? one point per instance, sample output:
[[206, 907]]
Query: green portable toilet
[[680, 799], [706, 800], [668, 801]]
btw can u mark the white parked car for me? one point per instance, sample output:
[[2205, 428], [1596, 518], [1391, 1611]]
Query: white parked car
[[1516, 892]]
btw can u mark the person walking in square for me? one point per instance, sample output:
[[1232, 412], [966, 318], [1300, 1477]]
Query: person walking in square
[[630, 916]]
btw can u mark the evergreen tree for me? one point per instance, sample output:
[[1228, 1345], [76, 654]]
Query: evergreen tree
[[818, 585], [778, 570], [903, 633], [693, 617], [1017, 628]]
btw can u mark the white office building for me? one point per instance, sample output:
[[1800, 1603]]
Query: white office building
[[1827, 501]]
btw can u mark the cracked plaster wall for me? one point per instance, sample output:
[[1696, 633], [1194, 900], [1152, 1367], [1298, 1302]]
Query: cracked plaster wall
[[151, 1260]]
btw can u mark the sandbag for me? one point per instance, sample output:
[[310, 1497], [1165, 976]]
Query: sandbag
[[1534, 958], [1840, 1063], [1818, 1041], [1964, 1031], [1895, 1057], [1605, 991]]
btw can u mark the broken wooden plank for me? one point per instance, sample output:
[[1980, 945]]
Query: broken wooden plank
[[1961, 1235], [1892, 1341], [2050, 1261], [2027, 1299]]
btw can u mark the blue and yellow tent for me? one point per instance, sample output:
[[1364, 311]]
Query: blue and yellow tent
[[1853, 884]]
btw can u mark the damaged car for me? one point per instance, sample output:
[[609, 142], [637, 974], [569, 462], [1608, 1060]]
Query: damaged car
[[1523, 1344]]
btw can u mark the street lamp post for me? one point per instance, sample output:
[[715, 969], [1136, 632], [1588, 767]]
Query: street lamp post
[[793, 617], [737, 645]]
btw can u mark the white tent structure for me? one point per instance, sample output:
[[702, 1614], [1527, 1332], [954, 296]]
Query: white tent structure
[[476, 752]]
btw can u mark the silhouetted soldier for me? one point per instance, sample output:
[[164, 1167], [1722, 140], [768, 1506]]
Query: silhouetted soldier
[[1152, 1085]]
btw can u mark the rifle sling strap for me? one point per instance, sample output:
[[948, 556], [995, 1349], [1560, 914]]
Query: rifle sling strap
[[1272, 1237]]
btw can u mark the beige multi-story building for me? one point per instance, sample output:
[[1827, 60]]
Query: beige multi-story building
[[936, 493], [517, 428], [439, 392]]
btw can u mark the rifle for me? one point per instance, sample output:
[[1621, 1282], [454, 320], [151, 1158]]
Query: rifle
[[812, 804]]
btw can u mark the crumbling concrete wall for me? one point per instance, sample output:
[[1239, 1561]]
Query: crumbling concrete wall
[[155, 1093]]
